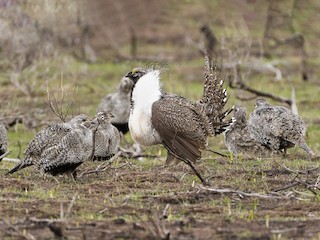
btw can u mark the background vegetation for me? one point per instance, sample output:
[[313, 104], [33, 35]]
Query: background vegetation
[[79, 50]]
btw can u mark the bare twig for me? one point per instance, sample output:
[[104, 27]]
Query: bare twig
[[286, 187], [125, 153], [102, 167], [15, 160], [242, 194], [220, 154], [60, 108], [165, 211], [21, 234], [71, 205], [3, 155], [241, 85], [307, 171], [19, 145]]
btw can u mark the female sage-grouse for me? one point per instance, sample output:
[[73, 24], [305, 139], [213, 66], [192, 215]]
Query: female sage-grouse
[[238, 139], [277, 127], [118, 103], [46, 138], [180, 125], [107, 137]]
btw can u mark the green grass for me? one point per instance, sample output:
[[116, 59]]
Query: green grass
[[145, 187]]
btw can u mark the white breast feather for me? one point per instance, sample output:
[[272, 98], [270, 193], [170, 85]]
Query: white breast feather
[[145, 93]]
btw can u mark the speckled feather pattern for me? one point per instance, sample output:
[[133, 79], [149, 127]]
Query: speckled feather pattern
[[214, 100], [277, 127], [73, 149], [46, 138], [107, 137], [3, 139], [118, 103], [180, 125], [238, 139], [177, 122]]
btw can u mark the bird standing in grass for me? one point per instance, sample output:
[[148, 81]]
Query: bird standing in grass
[[3, 140], [46, 138], [238, 139], [118, 103], [107, 137], [74, 148], [180, 125], [277, 128]]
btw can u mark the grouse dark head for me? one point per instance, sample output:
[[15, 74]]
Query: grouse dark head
[[135, 74], [239, 113], [101, 117]]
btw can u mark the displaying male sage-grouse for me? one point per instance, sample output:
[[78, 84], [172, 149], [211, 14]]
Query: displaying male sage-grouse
[[107, 137], [238, 139], [118, 103], [277, 127], [3, 140], [180, 125], [46, 138]]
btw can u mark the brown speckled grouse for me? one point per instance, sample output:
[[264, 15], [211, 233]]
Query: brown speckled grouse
[[276, 127], [107, 137], [46, 138], [74, 148], [118, 103], [180, 125], [238, 139]]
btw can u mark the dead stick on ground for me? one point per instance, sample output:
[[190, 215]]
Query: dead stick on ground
[[71, 205], [307, 171], [15, 160], [241, 193], [286, 187], [102, 167], [3, 155]]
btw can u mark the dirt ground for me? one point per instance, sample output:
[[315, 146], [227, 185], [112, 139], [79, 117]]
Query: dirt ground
[[126, 201], [274, 198]]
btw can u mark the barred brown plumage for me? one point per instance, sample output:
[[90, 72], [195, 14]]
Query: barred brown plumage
[[180, 125]]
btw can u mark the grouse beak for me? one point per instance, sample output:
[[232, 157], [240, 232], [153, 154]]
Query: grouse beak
[[132, 76], [135, 74], [87, 124], [94, 121]]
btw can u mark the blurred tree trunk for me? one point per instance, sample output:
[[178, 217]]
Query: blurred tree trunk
[[279, 23]]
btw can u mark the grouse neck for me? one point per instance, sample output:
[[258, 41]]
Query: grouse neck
[[146, 91]]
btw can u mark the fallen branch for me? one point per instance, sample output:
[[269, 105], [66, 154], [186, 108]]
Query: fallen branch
[[125, 153], [71, 205], [3, 155], [241, 85], [307, 171], [242, 194], [15, 160], [286, 187]]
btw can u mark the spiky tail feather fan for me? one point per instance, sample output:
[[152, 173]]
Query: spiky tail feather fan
[[214, 99]]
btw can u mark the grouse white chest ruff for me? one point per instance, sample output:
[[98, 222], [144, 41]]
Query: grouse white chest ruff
[[144, 94]]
